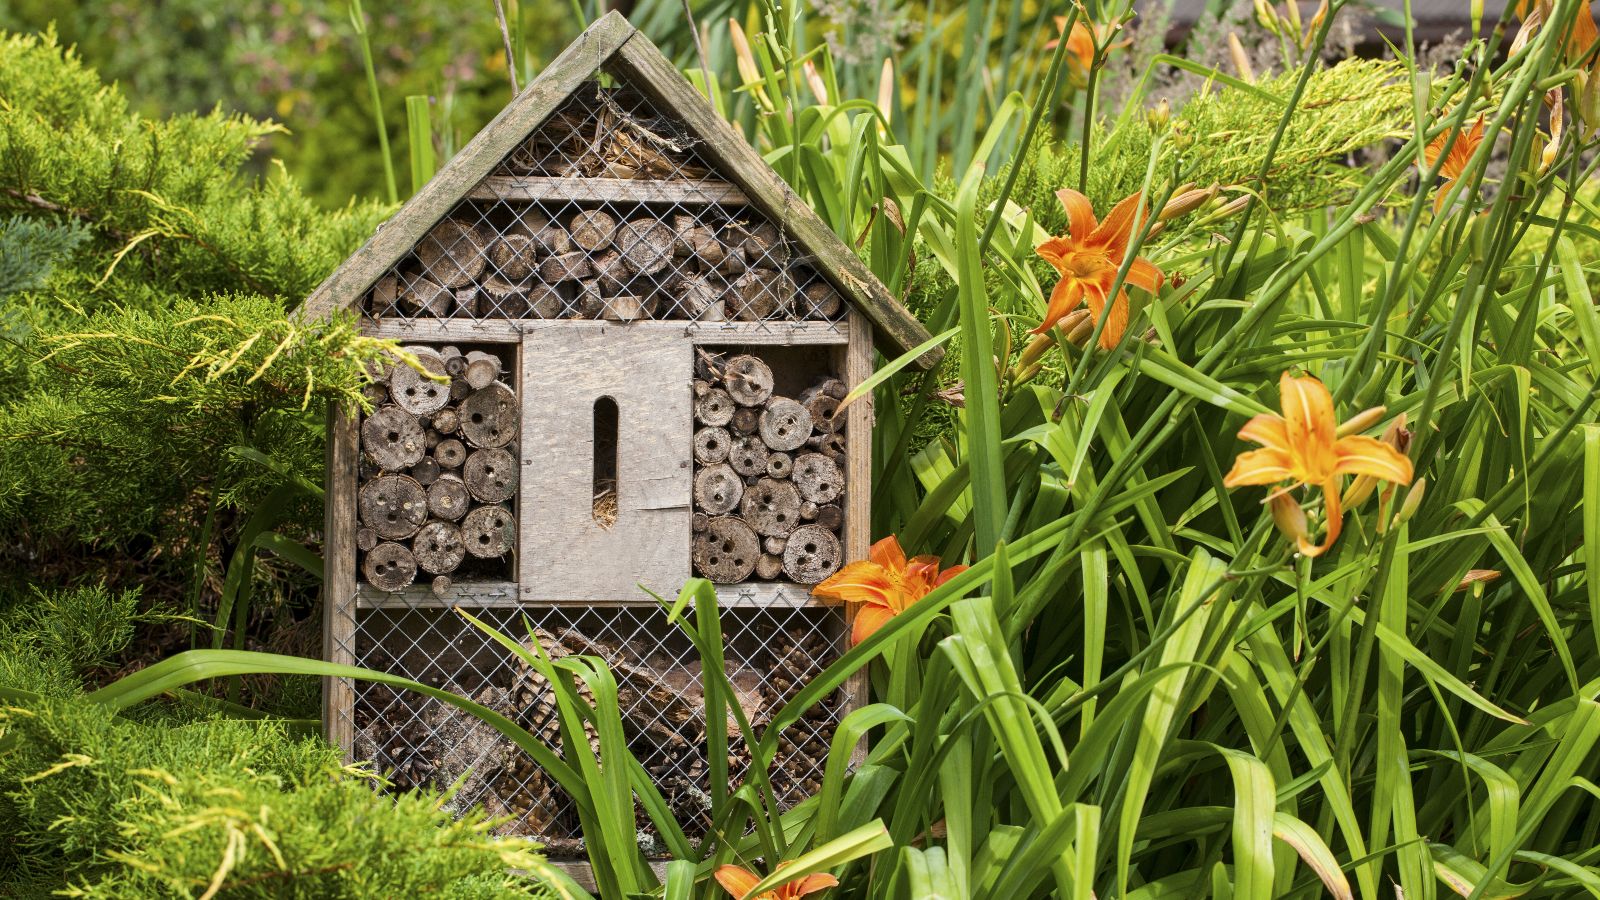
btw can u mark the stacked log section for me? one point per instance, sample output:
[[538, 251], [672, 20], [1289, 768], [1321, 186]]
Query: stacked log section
[[438, 470], [761, 480]]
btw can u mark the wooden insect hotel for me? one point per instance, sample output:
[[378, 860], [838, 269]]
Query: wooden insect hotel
[[635, 340]]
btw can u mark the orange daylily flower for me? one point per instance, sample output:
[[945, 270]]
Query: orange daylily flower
[[1455, 162], [738, 882], [1080, 49], [1303, 447], [1088, 257], [1534, 13], [885, 584]]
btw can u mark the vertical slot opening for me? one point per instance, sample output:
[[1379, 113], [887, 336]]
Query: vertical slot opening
[[605, 462]]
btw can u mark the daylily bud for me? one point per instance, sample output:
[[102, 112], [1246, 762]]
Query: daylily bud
[[1159, 115], [1266, 16], [1412, 502], [1475, 577], [1552, 147], [1187, 201], [1027, 374], [1588, 94], [1396, 436], [814, 81], [1361, 421], [746, 60], [1289, 516], [1227, 209], [1078, 325], [1036, 349], [1241, 60], [886, 90]]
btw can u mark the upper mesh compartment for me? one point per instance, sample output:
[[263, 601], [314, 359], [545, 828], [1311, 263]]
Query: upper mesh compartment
[[606, 211]]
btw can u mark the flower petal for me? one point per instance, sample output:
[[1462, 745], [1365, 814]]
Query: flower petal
[[869, 619], [1362, 455], [858, 582], [1267, 430], [735, 880], [887, 553], [1144, 274], [810, 884], [948, 574], [1080, 214], [1309, 422], [1063, 299], [1054, 250], [1266, 466], [1119, 226], [1335, 517], [1116, 322]]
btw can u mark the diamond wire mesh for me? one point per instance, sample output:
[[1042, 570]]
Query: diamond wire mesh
[[607, 211], [772, 651]]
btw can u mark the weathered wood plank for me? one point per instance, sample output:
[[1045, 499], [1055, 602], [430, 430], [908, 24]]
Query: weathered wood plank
[[507, 331], [610, 190], [566, 552], [472, 595], [648, 71], [395, 238], [489, 331], [339, 577], [510, 595], [858, 484]]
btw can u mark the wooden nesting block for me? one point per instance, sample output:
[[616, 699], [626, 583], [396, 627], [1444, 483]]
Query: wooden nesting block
[[448, 498], [490, 417], [811, 554], [771, 507], [514, 256], [453, 253], [489, 532], [717, 490], [592, 230], [415, 392], [491, 475], [784, 424], [748, 380], [818, 478], [389, 567], [393, 505], [711, 445], [392, 439], [421, 296], [727, 551], [438, 548], [714, 408]]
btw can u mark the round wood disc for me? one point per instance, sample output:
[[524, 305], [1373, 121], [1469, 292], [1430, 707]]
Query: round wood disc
[[452, 253], [780, 465], [438, 548], [592, 229], [727, 551], [392, 439], [416, 393], [445, 420], [812, 554], [748, 456], [715, 408], [717, 490], [489, 531], [748, 380], [491, 475], [450, 453], [745, 420], [818, 478], [820, 301], [514, 255], [771, 507], [489, 417], [646, 244], [769, 566], [426, 471], [394, 506], [711, 445], [822, 407], [545, 302], [785, 424], [389, 567], [448, 498], [366, 539]]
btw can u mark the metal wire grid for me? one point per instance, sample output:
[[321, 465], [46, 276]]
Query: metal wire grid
[[608, 212], [772, 651]]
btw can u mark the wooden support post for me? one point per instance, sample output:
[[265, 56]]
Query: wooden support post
[[339, 578]]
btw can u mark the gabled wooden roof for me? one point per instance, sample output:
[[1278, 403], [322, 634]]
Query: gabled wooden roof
[[623, 51]]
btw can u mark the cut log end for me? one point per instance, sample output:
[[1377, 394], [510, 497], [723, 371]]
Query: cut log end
[[438, 548], [489, 532], [727, 551], [811, 554], [389, 567]]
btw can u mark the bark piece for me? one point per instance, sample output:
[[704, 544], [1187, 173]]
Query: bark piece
[[489, 417], [565, 267], [785, 424], [453, 253], [711, 445], [491, 475], [421, 296], [389, 567], [769, 566], [698, 298], [830, 516], [426, 471], [818, 300], [450, 453], [727, 551], [448, 498], [748, 456], [646, 244], [818, 478], [714, 409], [482, 369], [748, 380], [392, 439], [438, 548], [771, 507], [366, 539], [812, 554], [416, 393], [489, 532], [514, 256], [780, 465], [592, 229], [394, 506], [717, 490]]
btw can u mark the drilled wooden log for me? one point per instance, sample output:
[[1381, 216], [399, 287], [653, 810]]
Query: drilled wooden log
[[441, 586], [394, 506], [748, 380], [426, 471], [822, 407], [714, 409], [375, 393], [780, 465], [416, 393], [482, 369], [746, 420], [491, 475], [592, 230], [711, 445], [459, 389], [438, 548], [818, 478], [818, 300], [717, 490], [421, 296], [514, 256], [785, 424], [489, 532], [389, 567], [446, 420], [769, 566], [645, 244], [453, 253], [830, 516], [502, 299], [455, 362], [392, 439], [771, 507], [450, 453], [812, 554], [625, 308], [726, 552], [828, 443], [748, 456], [698, 297], [385, 293], [545, 302], [448, 498], [366, 539], [565, 267], [489, 417]]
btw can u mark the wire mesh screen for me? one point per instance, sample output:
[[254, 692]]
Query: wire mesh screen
[[607, 211], [772, 651]]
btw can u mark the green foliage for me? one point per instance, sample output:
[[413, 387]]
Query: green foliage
[[29, 250], [48, 639]]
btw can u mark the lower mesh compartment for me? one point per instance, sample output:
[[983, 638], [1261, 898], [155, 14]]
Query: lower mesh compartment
[[772, 652]]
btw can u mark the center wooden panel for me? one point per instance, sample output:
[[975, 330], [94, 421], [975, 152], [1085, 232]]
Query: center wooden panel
[[569, 553]]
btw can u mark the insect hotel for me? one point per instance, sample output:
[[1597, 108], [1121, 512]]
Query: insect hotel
[[631, 341]]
